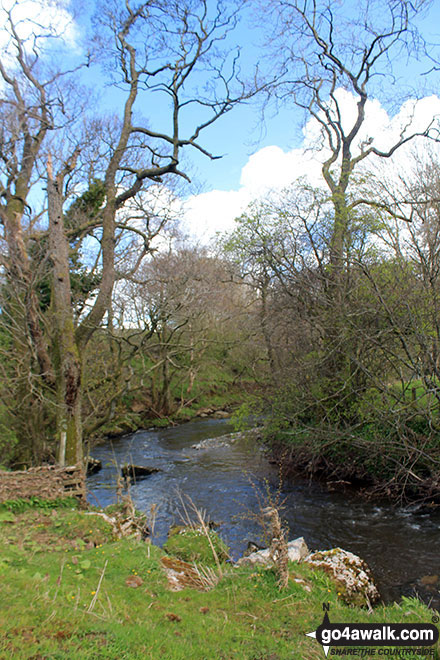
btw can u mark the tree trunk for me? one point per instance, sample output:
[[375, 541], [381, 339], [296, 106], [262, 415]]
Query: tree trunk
[[66, 353], [24, 304], [267, 334], [166, 402]]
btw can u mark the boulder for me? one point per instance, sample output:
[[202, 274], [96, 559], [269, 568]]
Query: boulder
[[204, 412], [350, 573], [221, 414], [180, 575], [137, 471], [297, 550], [93, 465], [252, 547]]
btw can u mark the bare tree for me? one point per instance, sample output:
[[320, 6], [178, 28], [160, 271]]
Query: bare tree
[[189, 309], [323, 50], [156, 49]]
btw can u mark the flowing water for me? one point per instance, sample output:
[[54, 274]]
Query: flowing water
[[402, 546]]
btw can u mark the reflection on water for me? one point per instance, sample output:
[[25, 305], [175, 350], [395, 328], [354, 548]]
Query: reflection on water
[[401, 546]]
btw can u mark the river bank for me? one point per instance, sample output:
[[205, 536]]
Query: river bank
[[228, 480], [214, 400], [368, 467], [70, 590]]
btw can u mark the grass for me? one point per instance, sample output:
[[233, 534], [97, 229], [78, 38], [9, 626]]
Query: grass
[[213, 390], [68, 590], [191, 545]]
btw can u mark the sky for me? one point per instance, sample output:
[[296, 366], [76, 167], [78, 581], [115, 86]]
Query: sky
[[258, 155]]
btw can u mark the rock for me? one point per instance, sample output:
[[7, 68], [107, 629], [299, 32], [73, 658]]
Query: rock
[[428, 580], [136, 471], [180, 574], [221, 414], [297, 550], [134, 581], [124, 523], [251, 548], [204, 412], [93, 465], [303, 583], [351, 574]]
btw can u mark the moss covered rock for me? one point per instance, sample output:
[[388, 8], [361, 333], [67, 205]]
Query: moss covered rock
[[350, 573], [196, 545]]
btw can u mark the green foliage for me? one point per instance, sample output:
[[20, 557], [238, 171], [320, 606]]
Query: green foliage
[[83, 210], [215, 387], [86, 207], [35, 502], [243, 418], [5, 334], [6, 516], [192, 545]]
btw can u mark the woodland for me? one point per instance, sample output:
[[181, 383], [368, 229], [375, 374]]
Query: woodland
[[318, 312]]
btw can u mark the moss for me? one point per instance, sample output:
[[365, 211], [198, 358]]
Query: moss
[[193, 545], [350, 575]]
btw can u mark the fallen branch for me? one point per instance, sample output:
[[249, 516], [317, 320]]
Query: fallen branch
[[95, 597]]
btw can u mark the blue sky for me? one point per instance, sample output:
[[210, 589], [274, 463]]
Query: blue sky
[[242, 132], [251, 148]]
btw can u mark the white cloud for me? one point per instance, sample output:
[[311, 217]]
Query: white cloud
[[271, 168], [268, 169], [31, 18], [214, 211]]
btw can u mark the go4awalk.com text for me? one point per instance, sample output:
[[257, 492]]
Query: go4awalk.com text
[[401, 640]]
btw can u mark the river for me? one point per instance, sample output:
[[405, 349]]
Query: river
[[401, 545]]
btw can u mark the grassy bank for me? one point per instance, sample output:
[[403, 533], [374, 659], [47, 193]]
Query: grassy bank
[[69, 590], [373, 458], [215, 390], [387, 443]]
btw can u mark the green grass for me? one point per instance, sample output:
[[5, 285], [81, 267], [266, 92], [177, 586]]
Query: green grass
[[192, 545], [52, 563], [34, 502], [214, 388]]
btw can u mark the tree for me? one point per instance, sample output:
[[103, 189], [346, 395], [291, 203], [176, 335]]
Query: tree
[[333, 59], [280, 247], [33, 107], [375, 418], [329, 53], [185, 309], [159, 48]]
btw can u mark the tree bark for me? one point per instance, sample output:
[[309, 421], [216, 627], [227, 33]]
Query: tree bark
[[20, 276], [66, 352]]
